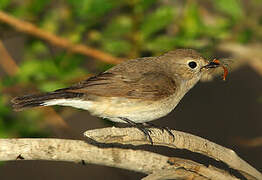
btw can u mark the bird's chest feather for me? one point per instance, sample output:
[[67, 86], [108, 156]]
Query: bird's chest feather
[[136, 110]]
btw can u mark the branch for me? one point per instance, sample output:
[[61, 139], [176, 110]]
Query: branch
[[31, 29], [7, 62], [182, 141], [79, 151]]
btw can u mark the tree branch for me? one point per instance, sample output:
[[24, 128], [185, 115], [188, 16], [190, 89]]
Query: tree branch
[[31, 29], [182, 141], [158, 166], [81, 152], [7, 62]]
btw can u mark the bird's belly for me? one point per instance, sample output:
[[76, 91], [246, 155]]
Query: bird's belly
[[135, 110]]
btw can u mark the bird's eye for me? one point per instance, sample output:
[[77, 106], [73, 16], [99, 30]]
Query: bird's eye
[[192, 64]]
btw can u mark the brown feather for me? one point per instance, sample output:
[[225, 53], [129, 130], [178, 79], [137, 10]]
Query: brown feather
[[136, 83]]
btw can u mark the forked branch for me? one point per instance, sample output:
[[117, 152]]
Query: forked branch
[[182, 141], [158, 166], [120, 156]]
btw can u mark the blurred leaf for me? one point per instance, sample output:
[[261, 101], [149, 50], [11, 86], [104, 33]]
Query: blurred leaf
[[156, 21], [10, 126], [4, 110], [245, 36], [220, 30], [51, 86], [141, 5], [33, 70], [4, 4], [51, 22], [94, 8], [58, 68], [230, 7], [29, 125], [192, 25], [116, 46], [119, 27], [37, 6], [38, 47], [161, 44]]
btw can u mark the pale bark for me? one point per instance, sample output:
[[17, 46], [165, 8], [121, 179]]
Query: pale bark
[[182, 141], [159, 166]]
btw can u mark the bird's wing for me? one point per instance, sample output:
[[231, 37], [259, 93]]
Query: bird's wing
[[149, 85]]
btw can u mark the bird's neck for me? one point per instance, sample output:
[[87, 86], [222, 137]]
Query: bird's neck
[[184, 87]]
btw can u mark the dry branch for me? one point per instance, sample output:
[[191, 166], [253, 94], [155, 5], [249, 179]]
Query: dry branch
[[31, 29], [182, 141], [79, 152], [6, 61]]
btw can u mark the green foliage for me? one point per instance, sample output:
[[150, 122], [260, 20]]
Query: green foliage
[[37, 6], [4, 4], [23, 125], [192, 24], [230, 7], [156, 21], [91, 10], [127, 28]]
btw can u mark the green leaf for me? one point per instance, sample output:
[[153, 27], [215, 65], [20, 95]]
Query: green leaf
[[92, 8], [4, 4], [157, 21], [230, 7], [47, 86], [37, 6], [141, 5], [220, 30], [245, 36], [161, 44], [119, 27], [117, 47], [192, 25], [35, 70]]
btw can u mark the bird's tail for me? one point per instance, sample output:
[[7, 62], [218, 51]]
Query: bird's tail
[[29, 101]]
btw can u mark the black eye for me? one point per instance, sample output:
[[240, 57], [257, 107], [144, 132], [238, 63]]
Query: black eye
[[192, 64]]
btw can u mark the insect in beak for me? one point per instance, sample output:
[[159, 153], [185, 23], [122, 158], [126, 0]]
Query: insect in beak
[[214, 64]]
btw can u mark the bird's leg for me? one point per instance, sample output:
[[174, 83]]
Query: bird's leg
[[139, 126], [148, 124]]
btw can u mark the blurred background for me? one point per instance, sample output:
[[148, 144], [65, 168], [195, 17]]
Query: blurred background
[[38, 53]]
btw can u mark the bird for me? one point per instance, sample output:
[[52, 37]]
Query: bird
[[136, 91]]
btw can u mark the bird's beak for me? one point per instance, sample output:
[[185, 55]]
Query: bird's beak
[[211, 64], [214, 64]]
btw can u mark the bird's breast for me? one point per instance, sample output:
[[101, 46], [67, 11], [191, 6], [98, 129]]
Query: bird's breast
[[136, 110]]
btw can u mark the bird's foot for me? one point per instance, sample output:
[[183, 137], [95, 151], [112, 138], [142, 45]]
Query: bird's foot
[[148, 124], [141, 127]]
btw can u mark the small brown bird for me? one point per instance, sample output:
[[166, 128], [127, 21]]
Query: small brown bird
[[135, 91]]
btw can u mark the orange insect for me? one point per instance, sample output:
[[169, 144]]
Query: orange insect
[[216, 61]]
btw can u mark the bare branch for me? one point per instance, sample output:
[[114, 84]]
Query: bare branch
[[31, 29], [7, 62], [79, 151], [182, 141]]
